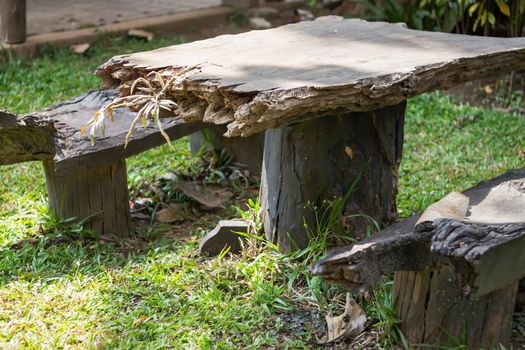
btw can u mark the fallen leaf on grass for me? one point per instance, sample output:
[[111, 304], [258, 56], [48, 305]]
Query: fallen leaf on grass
[[139, 33], [139, 320], [194, 192], [79, 48], [349, 324], [349, 152]]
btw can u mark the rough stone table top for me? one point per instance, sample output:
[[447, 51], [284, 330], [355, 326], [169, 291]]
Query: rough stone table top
[[273, 78]]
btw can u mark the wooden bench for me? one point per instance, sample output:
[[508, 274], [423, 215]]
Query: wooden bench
[[82, 179], [330, 96], [453, 276]]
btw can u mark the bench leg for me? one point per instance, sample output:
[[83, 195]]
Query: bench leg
[[319, 159], [90, 191], [247, 151], [433, 310]]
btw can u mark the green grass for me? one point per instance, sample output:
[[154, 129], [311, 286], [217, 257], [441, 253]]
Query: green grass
[[450, 147], [157, 293]]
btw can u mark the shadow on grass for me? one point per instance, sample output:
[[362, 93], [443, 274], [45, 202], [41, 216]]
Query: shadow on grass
[[52, 256]]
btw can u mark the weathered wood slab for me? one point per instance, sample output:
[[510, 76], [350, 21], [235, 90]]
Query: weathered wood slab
[[55, 133], [272, 78], [73, 151], [487, 256]]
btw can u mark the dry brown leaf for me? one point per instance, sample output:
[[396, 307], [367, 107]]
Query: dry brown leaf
[[194, 192], [349, 152], [79, 48], [140, 33], [349, 324], [168, 216]]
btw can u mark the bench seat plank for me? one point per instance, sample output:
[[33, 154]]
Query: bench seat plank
[[73, 151], [488, 256], [448, 274]]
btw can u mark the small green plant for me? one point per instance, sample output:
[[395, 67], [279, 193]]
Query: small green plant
[[54, 226], [238, 16], [461, 16], [381, 309]]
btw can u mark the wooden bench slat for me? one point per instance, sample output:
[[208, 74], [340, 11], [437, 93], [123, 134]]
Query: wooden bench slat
[[487, 264], [55, 132]]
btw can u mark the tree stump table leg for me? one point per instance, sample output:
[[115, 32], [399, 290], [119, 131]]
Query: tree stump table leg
[[319, 159], [433, 310], [90, 191], [247, 151]]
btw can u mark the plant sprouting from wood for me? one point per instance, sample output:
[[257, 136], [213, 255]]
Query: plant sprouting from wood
[[148, 95]]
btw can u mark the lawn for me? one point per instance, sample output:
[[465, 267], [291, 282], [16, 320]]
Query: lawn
[[59, 290]]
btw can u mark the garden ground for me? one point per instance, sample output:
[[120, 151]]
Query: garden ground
[[63, 287]]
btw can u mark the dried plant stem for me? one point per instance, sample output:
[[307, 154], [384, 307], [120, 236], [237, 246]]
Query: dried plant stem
[[148, 96]]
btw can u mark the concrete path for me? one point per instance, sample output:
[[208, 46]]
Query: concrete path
[[46, 16]]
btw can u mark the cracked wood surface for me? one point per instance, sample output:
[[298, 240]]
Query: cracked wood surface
[[488, 256], [25, 138], [273, 78], [54, 134]]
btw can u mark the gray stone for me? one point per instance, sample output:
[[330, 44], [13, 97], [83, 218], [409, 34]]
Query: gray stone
[[222, 236], [259, 23]]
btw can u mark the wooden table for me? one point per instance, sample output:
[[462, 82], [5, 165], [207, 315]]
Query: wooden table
[[330, 96]]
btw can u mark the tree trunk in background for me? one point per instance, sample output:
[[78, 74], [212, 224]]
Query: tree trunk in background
[[13, 21]]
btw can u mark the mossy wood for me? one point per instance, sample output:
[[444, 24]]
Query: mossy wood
[[452, 278], [83, 179]]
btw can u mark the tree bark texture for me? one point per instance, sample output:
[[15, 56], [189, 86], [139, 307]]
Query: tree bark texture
[[433, 310], [13, 21], [101, 190], [247, 151], [318, 160]]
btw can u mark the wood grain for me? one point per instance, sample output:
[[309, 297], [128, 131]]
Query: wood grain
[[313, 162], [25, 138], [100, 191]]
